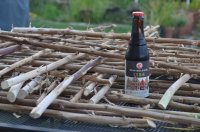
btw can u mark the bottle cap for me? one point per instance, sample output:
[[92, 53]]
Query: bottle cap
[[137, 13]]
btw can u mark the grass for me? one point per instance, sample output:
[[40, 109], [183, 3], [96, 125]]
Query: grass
[[39, 22]]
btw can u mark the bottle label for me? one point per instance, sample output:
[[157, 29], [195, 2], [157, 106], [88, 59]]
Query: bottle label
[[137, 78]]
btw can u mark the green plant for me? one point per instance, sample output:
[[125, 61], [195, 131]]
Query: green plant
[[51, 12], [121, 3], [164, 13], [194, 5], [197, 31], [94, 8]]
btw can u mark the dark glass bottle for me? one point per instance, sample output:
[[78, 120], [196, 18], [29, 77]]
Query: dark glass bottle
[[137, 60]]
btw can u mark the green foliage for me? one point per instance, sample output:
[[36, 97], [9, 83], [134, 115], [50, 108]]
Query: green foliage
[[87, 10], [194, 5], [197, 31], [37, 6], [162, 13], [51, 12], [121, 3]]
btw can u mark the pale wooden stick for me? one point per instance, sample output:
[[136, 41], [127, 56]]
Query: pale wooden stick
[[103, 45], [38, 86], [151, 30], [163, 103], [62, 48], [181, 99], [6, 44], [94, 78], [26, 89], [182, 68], [102, 28], [102, 35], [132, 111], [13, 92], [9, 50], [77, 96], [91, 86], [167, 84], [124, 111], [10, 82], [119, 121], [42, 106], [47, 91], [24, 61], [96, 98]]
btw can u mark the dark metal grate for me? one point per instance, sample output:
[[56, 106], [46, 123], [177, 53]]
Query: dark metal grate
[[50, 124]]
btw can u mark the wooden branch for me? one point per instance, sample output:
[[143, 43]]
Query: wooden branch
[[42, 106], [70, 32], [133, 122], [128, 111], [47, 91], [186, 114], [88, 89], [24, 61], [10, 82], [102, 28], [13, 92], [39, 87], [95, 69], [36, 36], [102, 35], [181, 99], [94, 78], [182, 68], [190, 93], [29, 87], [151, 30], [167, 84], [104, 45], [9, 50], [77, 96], [131, 111], [62, 48], [6, 44], [97, 97], [116, 97], [158, 46], [171, 90], [174, 41], [154, 71]]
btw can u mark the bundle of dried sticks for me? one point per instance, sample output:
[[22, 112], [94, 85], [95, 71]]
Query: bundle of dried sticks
[[79, 75]]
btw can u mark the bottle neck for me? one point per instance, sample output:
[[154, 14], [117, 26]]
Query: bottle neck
[[137, 34]]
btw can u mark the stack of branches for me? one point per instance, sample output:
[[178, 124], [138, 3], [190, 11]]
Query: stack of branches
[[79, 75]]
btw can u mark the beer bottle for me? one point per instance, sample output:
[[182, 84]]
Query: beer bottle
[[137, 60]]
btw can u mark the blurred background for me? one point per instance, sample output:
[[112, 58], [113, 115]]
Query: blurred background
[[177, 18]]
